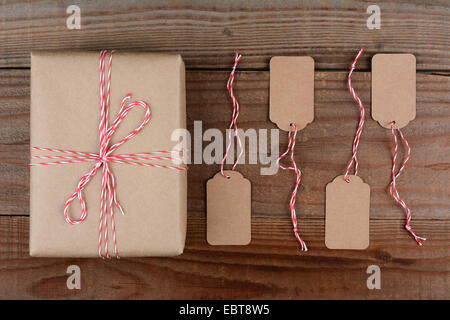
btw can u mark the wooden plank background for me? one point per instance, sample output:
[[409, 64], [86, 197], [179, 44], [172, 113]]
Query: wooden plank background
[[272, 267], [207, 32]]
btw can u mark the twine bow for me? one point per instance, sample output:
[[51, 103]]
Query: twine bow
[[108, 195]]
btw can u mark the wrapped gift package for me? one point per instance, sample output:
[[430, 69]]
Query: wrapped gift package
[[65, 114]]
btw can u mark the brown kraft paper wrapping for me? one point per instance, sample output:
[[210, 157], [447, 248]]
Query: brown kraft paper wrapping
[[65, 113]]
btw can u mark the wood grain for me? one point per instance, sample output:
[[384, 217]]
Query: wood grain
[[207, 32], [322, 151], [272, 267]]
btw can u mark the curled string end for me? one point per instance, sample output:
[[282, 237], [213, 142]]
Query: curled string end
[[126, 98], [418, 239], [300, 240]]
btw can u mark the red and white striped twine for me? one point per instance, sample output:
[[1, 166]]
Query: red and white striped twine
[[108, 196], [290, 149], [361, 119], [393, 186], [233, 123]]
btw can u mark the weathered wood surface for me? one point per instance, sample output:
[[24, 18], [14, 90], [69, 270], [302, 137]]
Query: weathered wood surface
[[272, 266], [322, 151], [207, 32]]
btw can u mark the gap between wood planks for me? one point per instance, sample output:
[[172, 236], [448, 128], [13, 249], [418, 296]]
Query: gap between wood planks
[[208, 102], [430, 72]]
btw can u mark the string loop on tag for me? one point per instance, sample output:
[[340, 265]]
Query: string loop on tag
[[393, 185], [361, 119], [233, 123], [298, 173]]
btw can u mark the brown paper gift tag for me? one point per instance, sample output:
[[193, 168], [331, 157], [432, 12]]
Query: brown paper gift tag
[[347, 214], [228, 209], [393, 89], [291, 91]]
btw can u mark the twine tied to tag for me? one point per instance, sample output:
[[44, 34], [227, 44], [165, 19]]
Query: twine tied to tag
[[108, 195], [290, 149], [361, 119], [393, 185], [234, 117]]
